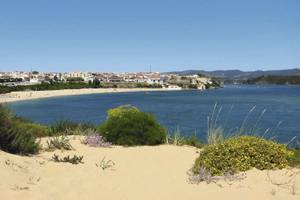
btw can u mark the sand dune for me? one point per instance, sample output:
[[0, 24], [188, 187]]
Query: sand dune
[[152, 173]]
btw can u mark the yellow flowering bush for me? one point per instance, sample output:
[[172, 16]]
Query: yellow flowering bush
[[242, 153]]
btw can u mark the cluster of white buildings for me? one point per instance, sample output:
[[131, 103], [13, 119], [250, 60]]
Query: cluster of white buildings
[[34, 77], [38, 77]]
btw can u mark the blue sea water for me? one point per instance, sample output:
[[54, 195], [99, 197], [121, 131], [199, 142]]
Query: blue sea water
[[189, 109]]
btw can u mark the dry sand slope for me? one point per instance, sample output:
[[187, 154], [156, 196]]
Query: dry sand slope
[[152, 173]]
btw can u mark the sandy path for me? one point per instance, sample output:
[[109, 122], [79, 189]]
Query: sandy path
[[140, 173]]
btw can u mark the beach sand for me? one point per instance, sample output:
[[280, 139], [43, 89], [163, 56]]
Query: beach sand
[[150, 173], [29, 95]]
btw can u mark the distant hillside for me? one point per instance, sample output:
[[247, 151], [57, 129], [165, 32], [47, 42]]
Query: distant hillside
[[281, 80], [238, 74]]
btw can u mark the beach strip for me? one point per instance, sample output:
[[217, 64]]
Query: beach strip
[[30, 95]]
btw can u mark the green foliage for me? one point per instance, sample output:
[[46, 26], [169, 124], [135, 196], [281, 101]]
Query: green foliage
[[75, 79], [193, 141], [213, 84], [34, 129], [73, 84], [177, 139], [14, 135], [192, 86], [294, 160], [62, 143], [126, 125], [15, 142], [68, 127], [120, 111], [74, 160], [240, 154]]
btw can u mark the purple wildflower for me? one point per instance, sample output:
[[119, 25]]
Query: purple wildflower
[[96, 141]]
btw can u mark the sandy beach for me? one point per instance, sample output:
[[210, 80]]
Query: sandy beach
[[153, 173], [29, 95]]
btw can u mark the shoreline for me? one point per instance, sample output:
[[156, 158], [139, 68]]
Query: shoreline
[[31, 95]]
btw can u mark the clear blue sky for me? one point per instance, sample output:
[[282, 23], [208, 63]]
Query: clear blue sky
[[124, 35]]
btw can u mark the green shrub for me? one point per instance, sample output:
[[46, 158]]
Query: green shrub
[[13, 141], [294, 161], [14, 138], [127, 125], [35, 130], [240, 154]]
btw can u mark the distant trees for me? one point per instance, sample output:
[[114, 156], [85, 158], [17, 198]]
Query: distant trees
[[75, 79], [54, 85], [55, 78], [5, 80], [201, 75], [96, 82]]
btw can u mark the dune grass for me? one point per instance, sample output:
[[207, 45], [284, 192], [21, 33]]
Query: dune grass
[[218, 130], [177, 138]]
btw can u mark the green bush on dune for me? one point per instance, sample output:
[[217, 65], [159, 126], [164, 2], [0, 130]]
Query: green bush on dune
[[16, 135], [34, 129], [242, 153], [127, 125]]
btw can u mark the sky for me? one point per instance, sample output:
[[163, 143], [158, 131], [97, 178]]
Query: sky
[[125, 35]]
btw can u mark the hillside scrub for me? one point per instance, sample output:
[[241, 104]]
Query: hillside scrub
[[127, 125]]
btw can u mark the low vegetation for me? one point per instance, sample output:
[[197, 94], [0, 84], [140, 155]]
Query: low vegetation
[[16, 135], [96, 140], [68, 127], [294, 160], [73, 84], [127, 125], [178, 139], [59, 142], [105, 164], [74, 160], [242, 153]]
